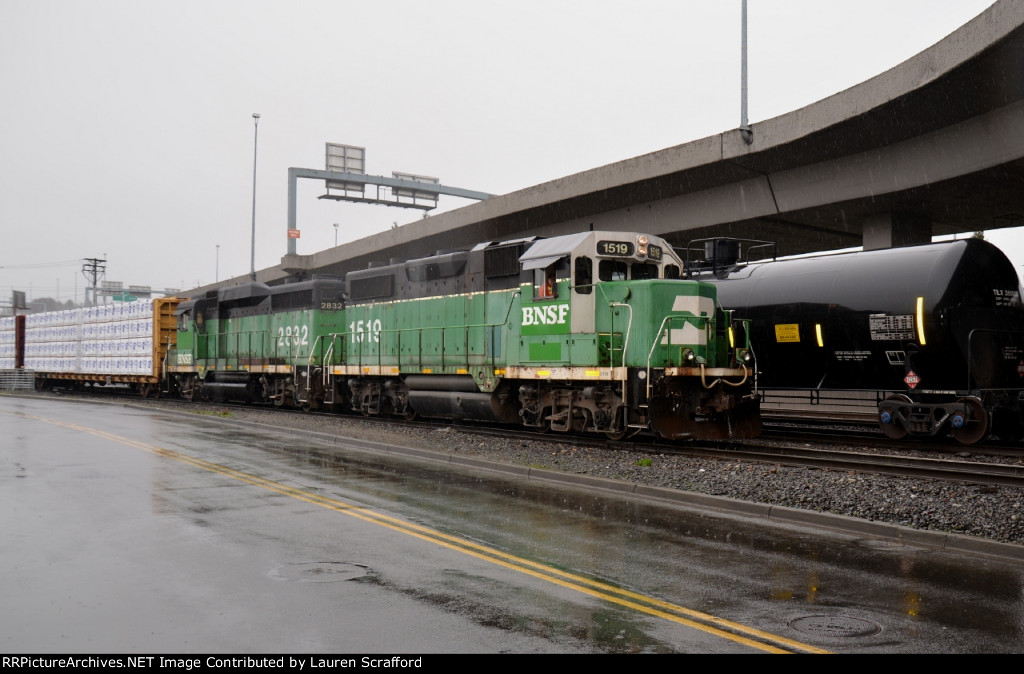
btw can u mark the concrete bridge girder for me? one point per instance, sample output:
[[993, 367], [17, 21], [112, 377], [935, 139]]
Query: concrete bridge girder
[[933, 146]]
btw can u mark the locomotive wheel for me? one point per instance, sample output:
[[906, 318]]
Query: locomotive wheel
[[626, 432], [894, 429], [975, 426], [621, 435]]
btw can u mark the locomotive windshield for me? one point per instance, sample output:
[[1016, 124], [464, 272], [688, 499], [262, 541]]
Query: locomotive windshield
[[622, 270]]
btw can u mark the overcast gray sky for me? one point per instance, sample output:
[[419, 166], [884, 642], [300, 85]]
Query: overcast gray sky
[[127, 128]]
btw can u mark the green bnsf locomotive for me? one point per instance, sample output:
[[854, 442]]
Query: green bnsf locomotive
[[590, 332]]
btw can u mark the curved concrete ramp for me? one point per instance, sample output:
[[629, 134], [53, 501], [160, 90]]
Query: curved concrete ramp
[[933, 146]]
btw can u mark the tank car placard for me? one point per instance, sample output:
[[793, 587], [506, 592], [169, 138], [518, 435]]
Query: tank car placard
[[787, 332], [885, 328]]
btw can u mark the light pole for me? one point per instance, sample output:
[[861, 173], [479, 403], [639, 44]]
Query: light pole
[[335, 235], [216, 275], [745, 131], [255, 138]]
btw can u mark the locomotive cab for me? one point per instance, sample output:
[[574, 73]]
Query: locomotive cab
[[558, 281], [617, 343]]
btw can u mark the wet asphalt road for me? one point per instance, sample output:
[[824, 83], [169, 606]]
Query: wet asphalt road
[[135, 531]]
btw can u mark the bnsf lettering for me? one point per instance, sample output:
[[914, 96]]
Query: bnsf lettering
[[184, 359], [553, 314]]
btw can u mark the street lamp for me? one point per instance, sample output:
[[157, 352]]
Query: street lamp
[[335, 235], [255, 138], [745, 131]]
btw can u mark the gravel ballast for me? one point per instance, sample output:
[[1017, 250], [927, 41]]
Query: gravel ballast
[[991, 513]]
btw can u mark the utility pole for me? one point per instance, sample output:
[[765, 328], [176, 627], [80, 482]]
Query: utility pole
[[93, 269]]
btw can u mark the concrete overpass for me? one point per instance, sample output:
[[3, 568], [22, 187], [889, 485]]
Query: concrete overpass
[[933, 146]]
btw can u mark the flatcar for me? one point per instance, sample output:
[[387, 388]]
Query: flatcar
[[590, 332], [936, 330], [120, 344]]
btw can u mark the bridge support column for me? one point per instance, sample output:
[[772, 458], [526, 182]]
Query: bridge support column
[[892, 230]]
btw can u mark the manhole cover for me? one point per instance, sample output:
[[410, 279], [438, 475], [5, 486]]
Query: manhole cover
[[318, 572], [834, 626]]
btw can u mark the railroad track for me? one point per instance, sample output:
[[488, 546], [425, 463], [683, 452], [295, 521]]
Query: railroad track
[[824, 449], [980, 472]]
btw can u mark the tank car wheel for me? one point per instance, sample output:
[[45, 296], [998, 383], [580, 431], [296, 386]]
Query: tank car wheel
[[974, 427], [409, 414], [893, 427]]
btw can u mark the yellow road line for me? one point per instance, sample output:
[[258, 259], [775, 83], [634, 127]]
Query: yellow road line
[[704, 622]]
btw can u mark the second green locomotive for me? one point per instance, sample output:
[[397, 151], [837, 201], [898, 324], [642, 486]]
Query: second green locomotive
[[590, 332]]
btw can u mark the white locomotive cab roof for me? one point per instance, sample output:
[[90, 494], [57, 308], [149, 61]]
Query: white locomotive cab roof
[[552, 248], [540, 262], [545, 251]]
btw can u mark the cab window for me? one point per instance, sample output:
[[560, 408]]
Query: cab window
[[644, 270], [613, 270], [584, 268], [544, 283]]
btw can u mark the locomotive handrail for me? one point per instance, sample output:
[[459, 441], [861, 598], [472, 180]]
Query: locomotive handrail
[[625, 344], [706, 320], [716, 266], [661, 330], [309, 365], [746, 332]]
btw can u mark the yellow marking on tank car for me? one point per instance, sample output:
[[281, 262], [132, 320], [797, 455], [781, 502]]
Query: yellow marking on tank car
[[787, 332]]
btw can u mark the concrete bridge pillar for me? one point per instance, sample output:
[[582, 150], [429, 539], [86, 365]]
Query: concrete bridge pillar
[[892, 230]]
